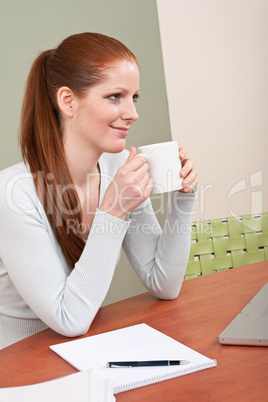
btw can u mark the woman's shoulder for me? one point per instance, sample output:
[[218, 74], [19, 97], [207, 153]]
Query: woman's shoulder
[[12, 171], [16, 174], [17, 192]]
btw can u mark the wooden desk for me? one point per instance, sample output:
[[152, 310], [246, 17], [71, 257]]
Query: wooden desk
[[203, 309]]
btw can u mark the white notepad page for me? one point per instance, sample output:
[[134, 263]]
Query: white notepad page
[[82, 387], [138, 342]]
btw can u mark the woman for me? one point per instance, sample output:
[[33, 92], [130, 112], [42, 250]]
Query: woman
[[79, 195]]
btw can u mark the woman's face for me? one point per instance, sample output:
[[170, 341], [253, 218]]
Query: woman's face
[[103, 116]]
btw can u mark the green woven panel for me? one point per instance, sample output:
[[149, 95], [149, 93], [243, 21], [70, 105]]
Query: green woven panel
[[219, 228], [265, 222], [245, 224], [224, 245], [204, 247], [193, 269], [203, 231], [221, 244], [241, 258], [262, 240], [210, 264]]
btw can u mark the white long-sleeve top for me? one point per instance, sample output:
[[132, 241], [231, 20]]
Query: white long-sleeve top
[[38, 289]]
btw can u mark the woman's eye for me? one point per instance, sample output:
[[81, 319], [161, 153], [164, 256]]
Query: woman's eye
[[115, 97], [135, 98]]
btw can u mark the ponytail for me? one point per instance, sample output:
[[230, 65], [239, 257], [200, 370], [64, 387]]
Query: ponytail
[[42, 149]]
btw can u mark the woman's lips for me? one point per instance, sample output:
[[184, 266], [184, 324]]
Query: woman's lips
[[121, 130]]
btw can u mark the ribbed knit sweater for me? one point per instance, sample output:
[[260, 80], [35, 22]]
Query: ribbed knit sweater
[[38, 289]]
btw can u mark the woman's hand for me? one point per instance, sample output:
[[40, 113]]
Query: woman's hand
[[188, 173], [130, 187]]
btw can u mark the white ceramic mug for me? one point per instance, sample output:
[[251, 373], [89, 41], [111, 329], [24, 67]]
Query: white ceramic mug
[[164, 165]]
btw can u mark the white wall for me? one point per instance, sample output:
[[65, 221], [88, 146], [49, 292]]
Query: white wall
[[216, 62]]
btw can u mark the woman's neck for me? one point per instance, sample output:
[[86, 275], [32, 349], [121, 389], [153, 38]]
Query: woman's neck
[[81, 163]]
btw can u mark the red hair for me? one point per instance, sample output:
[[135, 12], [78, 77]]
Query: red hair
[[78, 62]]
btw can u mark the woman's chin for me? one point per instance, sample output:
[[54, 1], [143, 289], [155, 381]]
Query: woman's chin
[[118, 146]]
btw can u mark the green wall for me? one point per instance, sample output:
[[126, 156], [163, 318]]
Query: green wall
[[30, 26]]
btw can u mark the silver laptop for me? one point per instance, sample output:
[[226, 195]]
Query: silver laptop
[[250, 326]]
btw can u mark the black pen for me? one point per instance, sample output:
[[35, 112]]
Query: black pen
[[148, 363]]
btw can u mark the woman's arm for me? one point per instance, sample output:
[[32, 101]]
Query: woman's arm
[[65, 300], [159, 257]]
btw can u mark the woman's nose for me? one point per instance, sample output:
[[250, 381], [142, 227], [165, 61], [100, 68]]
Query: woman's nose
[[130, 112]]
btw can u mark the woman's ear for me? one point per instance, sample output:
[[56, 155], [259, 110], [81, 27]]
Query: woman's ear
[[65, 99]]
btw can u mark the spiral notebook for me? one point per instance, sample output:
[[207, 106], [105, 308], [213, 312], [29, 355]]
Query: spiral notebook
[[138, 342]]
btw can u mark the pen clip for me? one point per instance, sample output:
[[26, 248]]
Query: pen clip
[[112, 365]]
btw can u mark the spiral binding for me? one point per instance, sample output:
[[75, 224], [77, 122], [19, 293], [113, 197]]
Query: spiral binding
[[163, 377]]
